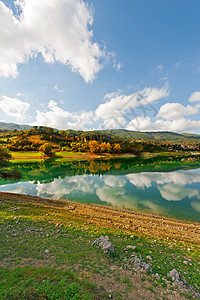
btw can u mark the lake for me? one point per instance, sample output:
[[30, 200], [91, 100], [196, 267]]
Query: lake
[[159, 185]]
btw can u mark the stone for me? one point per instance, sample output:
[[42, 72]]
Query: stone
[[149, 257], [175, 275], [46, 251], [104, 243], [141, 265], [130, 247]]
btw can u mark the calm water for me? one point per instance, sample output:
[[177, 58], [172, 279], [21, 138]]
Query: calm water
[[161, 186]]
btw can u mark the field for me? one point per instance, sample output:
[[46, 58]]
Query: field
[[31, 156], [47, 252]]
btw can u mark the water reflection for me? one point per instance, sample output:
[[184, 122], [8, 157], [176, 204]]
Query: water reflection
[[174, 193]]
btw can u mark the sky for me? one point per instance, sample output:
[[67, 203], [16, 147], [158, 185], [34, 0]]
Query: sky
[[85, 65]]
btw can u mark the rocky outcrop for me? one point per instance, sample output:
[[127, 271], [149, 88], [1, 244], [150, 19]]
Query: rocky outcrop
[[181, 281], [104, 243]]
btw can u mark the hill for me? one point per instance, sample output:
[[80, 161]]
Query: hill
[[163, 136], [119, 134], [12, 126]]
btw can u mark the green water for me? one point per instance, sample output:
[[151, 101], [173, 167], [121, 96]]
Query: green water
[[160, 185]]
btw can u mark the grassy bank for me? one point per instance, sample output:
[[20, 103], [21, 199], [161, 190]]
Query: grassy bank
[[31, 156], [72, 268], [25, 156]]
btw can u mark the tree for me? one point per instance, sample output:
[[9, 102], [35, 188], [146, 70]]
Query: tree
[[108, 147], [103, 147], [94, 146], [116, 148], [5, 157], [46, 150]]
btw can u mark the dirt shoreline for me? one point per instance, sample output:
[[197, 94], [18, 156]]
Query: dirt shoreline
[[127, 221]]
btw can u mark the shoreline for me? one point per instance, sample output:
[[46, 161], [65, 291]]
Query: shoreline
[[22, 157], [113, 218]]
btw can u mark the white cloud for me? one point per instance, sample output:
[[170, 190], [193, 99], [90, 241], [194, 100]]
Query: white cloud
[[57, 117], [133, 112], [143, 123], [159, 67], [117, 65], [116, 110], [171, 111], [195, 97], [58, 29], [14, 107]]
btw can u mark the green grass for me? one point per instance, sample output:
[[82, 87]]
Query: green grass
[[23, 157], [25, 153], [33, 283], [68, 270]]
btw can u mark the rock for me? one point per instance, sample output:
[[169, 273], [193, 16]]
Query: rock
[[141, 265], [180, 280], [175, 275], [130, 247], [104, 243], [46, 251], [149, 257]]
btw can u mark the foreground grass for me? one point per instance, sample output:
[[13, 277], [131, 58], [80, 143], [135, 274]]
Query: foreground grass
[[74, 269]]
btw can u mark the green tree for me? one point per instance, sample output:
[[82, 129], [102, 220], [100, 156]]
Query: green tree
[[5, 157], [46, 150]]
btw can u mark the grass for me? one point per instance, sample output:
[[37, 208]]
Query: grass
[[62, 156], [21, 157], [34, 283], [73, 268]]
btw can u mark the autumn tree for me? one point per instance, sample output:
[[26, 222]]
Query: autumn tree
[[103, 147], [94, 146], [46, 150], [116, 148], [108, 148]]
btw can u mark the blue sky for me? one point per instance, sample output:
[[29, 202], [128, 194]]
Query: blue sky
[[131, 64]]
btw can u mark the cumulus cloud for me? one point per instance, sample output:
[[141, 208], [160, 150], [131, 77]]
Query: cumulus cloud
[[57, 117], [60, 30], [136, 111], [116, 110], [143, 123], [171, 111], [195, 97], [14, 107]]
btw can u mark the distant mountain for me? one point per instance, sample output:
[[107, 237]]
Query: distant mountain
[[122, 134], [11, 126]]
